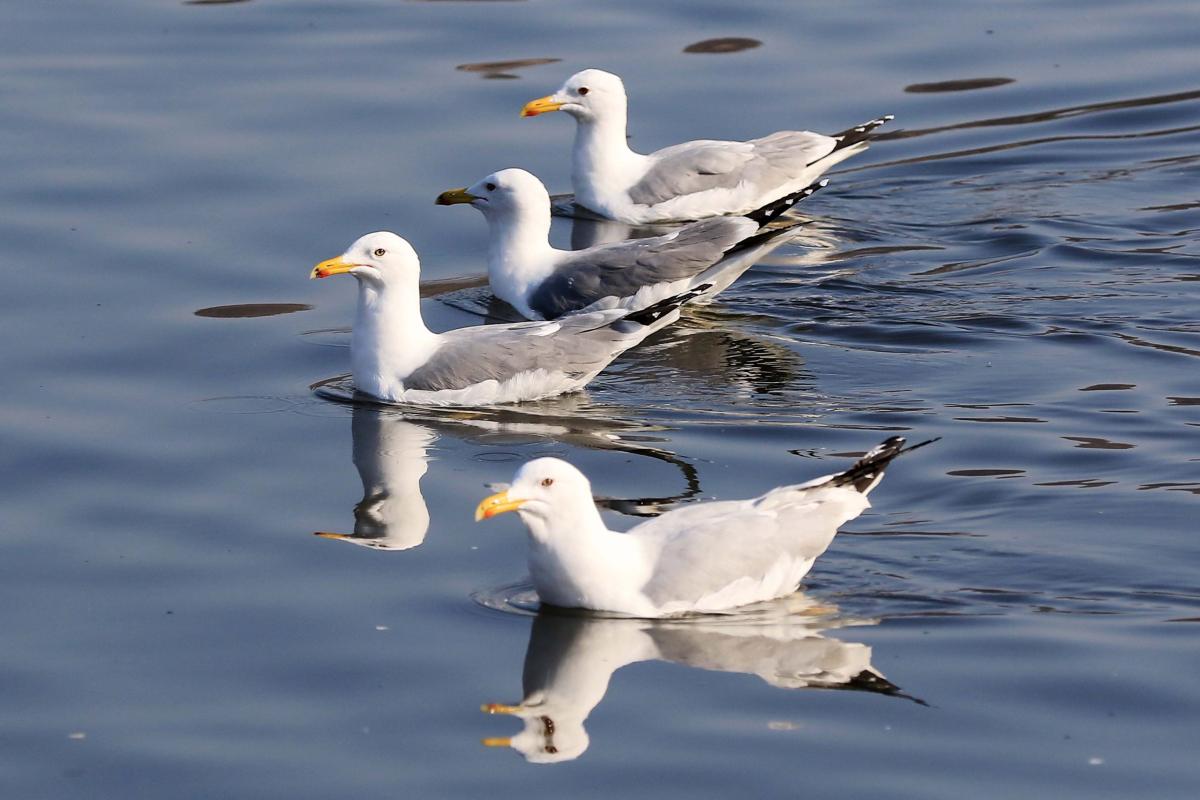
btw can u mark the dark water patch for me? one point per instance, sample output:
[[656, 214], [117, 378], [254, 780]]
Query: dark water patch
[[504, 69], [1083, 483], [1001, 419], [864, 252], [212, 2], [1173, 207], [993, 322], [727, 44], [248, 310], [440, 286], [983, 406], [912, 533], [985, 473], [963, 85], [1108, 387], [1183, 401], [899, 336], [1096, 443], [982, 263], [1193, 488], [1139, 341]]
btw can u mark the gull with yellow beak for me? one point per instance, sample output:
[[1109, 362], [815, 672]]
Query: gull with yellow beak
[[706, 557], [692, 180], [542, 282], [395, 358]]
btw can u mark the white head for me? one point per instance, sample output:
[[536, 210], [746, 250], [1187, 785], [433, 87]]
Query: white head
[[375, 260], [504, 194], [551, 496], [391, 455], [547, 739], [587, 96]]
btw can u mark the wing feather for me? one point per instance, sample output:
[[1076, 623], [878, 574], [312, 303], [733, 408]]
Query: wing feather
[[765, 164], [622, 269]]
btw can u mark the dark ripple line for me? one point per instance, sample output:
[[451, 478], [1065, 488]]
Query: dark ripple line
[[1045, 116], [975, 151]]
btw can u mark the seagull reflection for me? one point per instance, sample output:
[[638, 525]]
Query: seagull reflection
[[391, 457], [571, 658], [391, 454]]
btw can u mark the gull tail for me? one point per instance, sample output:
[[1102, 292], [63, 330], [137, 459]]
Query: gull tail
[[774, 209], [868, 472], [859, 133]]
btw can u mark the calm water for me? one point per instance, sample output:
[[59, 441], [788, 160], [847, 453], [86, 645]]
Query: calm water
[[1014, 268]]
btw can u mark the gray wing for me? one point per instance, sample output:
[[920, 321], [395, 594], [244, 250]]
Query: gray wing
[[694, 167], [577, 346], [619, 270], [701, 549]]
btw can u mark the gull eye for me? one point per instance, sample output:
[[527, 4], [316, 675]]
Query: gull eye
[[380, 252], [491, 187], [547, 482], [583, 90]]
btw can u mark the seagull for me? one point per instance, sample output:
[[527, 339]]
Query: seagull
[[691, 180], [706, 557], [542, 282], [397, 359], [571, 659]]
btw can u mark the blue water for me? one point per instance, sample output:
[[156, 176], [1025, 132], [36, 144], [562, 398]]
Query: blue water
[[1013, 268]]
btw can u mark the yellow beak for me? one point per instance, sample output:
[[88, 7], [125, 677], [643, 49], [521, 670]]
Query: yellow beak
[[499, 708], [334, 266], [540, 106], [328, 535], [497, 503], [496, 741], [452, 197]]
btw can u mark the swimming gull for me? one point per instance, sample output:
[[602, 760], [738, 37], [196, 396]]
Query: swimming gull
[[704, 557], [542, 282], [396, 358], [691, 180]]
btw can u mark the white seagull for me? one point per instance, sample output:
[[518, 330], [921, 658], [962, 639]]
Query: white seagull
[[691, 180], [705, 557], [394, 357], [542, 282]]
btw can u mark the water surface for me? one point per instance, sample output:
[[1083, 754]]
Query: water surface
[[1012, 267]]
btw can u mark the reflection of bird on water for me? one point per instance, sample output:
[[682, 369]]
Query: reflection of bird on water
[[710, 352], [391, 456], [703, 557], [571, 658]]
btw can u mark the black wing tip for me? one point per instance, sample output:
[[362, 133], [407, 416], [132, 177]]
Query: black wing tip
[[860, 133], [656, 311], [774, 209], [869, 469]]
